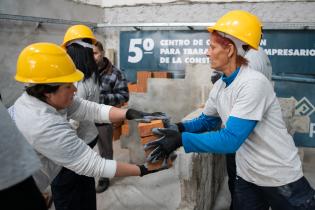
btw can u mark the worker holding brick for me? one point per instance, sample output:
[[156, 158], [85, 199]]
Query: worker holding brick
[[41, 114], [68, 186], [257, 60], [146, 134], [269, 171], [114, 92]]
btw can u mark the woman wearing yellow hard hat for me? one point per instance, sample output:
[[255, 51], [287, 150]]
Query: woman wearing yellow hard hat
[[78, 32], [69, 189], [41, 114], [269, 171]]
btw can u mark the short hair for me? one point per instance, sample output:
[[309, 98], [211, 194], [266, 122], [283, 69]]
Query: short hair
[[99, 45], [38, 91]]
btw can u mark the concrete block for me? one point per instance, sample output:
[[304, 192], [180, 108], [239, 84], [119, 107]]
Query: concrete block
[[301, 124], [200, 176], [287, 107], [131, 141]]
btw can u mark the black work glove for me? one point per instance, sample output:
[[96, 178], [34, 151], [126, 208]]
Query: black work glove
[[144, 170], [169, 140], [139, 116], [173, 126], [215, 76]]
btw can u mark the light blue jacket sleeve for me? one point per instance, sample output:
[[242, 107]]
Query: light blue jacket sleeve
[[201, 124], [226, 140]]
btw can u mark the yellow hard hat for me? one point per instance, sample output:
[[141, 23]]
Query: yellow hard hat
[[240, 24], [45, 63], [78, 32]]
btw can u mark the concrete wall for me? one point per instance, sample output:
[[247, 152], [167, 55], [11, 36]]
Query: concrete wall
[[115, 3], [15, 35]]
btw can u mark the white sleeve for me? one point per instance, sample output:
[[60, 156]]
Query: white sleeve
[[81, 90], [86, 110], [60, 144], [253, 99]]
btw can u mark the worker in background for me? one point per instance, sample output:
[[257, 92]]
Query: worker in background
[[69, 189], [18, 162], [41, 114], [269, 171], [259, 61], [114, 92]]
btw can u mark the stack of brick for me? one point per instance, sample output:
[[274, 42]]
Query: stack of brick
[[142, 80], [141, 86], [146, 135]]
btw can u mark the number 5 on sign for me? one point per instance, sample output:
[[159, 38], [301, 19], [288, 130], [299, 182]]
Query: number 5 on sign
[[137, 48]]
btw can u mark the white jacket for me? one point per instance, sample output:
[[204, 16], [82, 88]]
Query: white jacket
[[87, 90], [56, 143]]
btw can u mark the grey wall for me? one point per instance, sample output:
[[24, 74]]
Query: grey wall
[[276, 11], [15, 35]]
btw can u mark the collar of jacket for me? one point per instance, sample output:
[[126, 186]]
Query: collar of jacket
[[107, 67], [228, 80]]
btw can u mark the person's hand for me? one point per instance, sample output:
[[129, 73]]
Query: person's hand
[[169, 140], [173, 126], [145, 169], [139, 116]]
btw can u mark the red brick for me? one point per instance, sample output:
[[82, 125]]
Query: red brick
[[116, 133], [142, 79], [145, 129], [161, 74], [132, 87], [125, 129], [145, 140]]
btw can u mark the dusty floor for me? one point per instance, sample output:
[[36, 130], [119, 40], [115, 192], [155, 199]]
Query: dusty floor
[[142, 194]]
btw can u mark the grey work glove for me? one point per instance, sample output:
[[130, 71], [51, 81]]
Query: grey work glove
[[144, 170], [169, 140], [215, 76], [140, 116]]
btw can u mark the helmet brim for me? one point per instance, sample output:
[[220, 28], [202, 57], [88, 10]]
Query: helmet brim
[[74, 77]]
